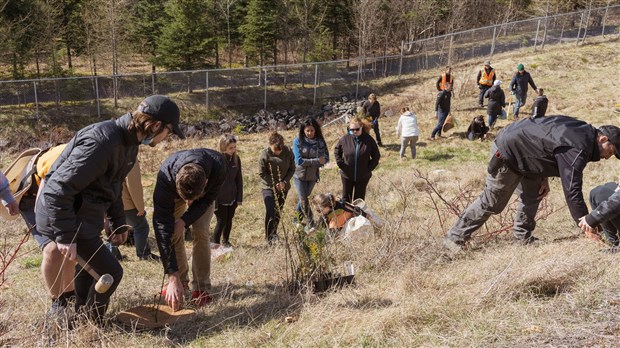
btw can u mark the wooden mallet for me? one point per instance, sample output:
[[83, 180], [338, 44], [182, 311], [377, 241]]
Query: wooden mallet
[[103, 282]]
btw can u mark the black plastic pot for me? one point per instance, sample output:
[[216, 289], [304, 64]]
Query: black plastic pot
[[327, 283]]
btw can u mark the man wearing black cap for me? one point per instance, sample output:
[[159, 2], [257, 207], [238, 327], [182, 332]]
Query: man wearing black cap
[[84, 186], [605, 201], [525, 154]]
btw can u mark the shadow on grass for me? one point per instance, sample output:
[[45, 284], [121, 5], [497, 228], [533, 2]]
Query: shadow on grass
[[439, 157], [268, 302]]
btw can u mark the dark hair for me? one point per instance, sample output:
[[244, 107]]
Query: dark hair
[[277, 140], [191, 181], [311, 121], [404, 109]]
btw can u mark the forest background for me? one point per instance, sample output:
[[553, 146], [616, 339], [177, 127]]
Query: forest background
[[61, 38]]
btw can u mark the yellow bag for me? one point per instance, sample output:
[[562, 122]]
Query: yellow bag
[[45, 162]]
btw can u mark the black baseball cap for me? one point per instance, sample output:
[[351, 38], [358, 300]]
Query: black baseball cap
[[163, 109], [613, 134]]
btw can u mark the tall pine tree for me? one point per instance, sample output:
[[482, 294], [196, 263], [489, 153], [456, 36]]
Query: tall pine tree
[[260, 30], [187, 40], [148, 18]]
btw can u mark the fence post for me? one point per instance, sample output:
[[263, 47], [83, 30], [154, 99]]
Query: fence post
[[36, 98], [207, 90], [493, 42], [316, 81], [97, 96], [450, 50], [605, 18], [579, 31], [542, 45], [153, 83], [400, 64], [265, 104], [536, 38], [357, 83]]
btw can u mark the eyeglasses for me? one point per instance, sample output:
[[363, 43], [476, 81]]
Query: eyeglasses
[[354, 129]]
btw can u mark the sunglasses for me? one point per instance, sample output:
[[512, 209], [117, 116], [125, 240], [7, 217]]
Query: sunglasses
[[354, 129]]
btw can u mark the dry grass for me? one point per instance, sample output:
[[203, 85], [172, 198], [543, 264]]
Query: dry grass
[[561, 293]]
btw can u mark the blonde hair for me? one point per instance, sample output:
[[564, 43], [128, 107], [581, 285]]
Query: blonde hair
[[372, 96], [225, 140], [363, 122]]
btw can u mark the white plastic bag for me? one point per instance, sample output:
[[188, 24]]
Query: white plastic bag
[[358, 228]]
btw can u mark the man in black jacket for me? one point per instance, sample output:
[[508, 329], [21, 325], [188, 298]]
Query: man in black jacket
[[526, 153], [605, 202], [188, 183], [84, 186]]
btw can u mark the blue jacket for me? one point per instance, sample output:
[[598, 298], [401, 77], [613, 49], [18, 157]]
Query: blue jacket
[[307, 155]]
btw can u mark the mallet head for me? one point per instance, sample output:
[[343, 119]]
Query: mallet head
[[104, 283]]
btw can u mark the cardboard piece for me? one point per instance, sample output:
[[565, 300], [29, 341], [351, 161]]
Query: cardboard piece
[[151, 316]]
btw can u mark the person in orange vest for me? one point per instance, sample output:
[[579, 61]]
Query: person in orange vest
[[485, 79], [445, 77]]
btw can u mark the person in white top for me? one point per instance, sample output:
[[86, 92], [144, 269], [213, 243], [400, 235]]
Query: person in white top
[[407, 130]]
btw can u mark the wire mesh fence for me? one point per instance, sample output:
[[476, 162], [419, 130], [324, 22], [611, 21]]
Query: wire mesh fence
[[312, 83]]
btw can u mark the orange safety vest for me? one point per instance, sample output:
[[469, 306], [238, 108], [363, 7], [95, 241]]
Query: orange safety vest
[[443, 81], [486, 79]]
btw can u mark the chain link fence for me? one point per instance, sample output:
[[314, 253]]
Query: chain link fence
[[304, 84]]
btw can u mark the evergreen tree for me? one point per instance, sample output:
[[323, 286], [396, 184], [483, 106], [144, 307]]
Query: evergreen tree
[[147, 20], [18, 23], [186, 41], [260, 30], [339, 21]]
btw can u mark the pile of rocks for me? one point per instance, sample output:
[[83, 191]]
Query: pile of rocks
[[265, 120]]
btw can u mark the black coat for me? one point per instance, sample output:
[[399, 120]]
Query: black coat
[[520, 82], [554, 146], [85, 183], [443, 101], [357, 157], [539, 108], [165, 194], [497, 100]]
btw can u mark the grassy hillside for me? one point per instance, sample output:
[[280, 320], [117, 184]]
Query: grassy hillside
[[563, 292]]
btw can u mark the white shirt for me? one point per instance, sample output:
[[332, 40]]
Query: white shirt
[[407, 125]]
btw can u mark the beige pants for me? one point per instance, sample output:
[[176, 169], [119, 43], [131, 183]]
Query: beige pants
[[201, 249]]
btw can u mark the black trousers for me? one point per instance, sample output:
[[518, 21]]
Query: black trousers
[[611, 227], [273, 207], [224, 215], [348, 186], [375, 127], [102, 261]]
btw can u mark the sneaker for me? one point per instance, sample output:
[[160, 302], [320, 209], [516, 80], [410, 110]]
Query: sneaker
[[452, 246], [227, 244], [56, 316], [150, 257], [201, 298], [531, 240], [613, 250], [480, 105]]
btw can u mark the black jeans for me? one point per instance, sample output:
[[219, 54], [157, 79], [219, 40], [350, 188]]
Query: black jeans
[[375, 127], [611, 227], [348, 186], [224, 215], [92, 251], [272, 212]]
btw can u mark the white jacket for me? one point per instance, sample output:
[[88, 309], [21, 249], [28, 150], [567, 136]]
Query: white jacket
[[407, 125]]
